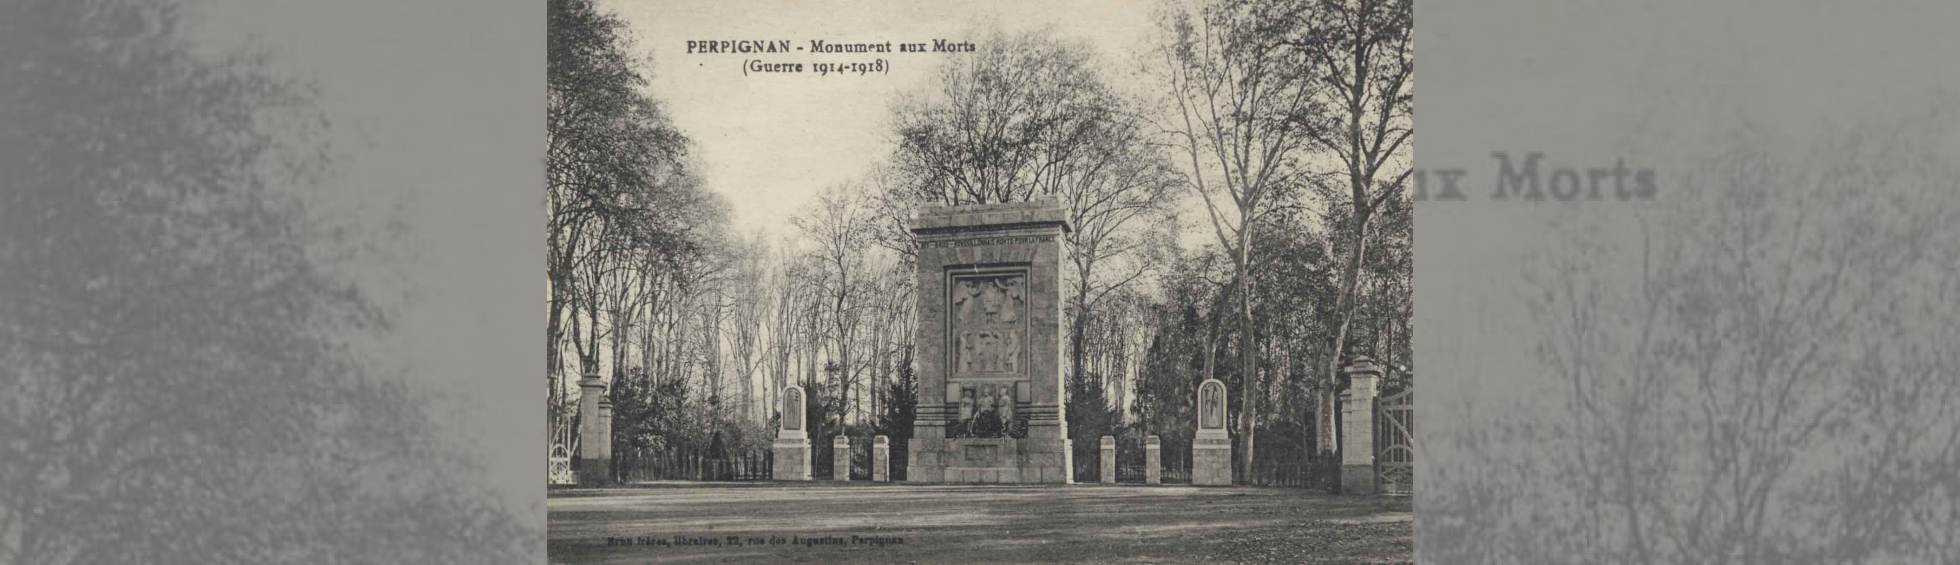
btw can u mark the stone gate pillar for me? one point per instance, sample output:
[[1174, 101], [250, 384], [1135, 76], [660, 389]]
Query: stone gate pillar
[[1109, 460], [792, 447], [990, 345], [1211, 451], [881, 459], [840, 458], [595, 432], [1358, 426], [1153, 461]]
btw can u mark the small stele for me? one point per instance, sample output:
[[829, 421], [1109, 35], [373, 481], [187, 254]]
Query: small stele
[[792, 409], [1211, 405]]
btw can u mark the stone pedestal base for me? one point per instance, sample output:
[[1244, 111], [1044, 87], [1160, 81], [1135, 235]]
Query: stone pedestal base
[[1358, 479], [997, 460], [792, 459], [1211, 458], [594, 472]]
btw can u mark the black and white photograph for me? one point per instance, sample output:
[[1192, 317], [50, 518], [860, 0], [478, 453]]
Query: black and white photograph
[[1012, 282], [978, 281]]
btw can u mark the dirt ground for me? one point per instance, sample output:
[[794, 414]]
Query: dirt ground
[[881, 523]]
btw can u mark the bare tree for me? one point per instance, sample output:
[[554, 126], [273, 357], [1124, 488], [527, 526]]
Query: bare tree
[[1000, 124], [1242, 107], [1362, 54], [1759, 370], [752, 308], [1030, 115], [606, 141], [837, 225]]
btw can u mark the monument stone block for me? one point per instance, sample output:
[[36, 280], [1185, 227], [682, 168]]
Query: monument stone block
[[989, 344], [792, 446], [1211, 451]]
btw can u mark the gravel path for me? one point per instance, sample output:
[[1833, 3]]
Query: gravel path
[[862, 522]]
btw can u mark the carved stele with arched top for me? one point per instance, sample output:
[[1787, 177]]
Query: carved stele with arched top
[[1211, 451], [793, 412], [792, 445], [1211, 405]]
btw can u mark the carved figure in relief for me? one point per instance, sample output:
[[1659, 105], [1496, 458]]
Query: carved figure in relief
[[965, 349], [1010, 299], [964, 298], [992, 350], [1213, 415], [1011, 356], [1006, 402], [966, 404], [792, 409], [989, 351], [990, 297]]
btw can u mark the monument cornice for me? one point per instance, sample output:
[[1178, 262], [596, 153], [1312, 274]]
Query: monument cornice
[[990, 228]]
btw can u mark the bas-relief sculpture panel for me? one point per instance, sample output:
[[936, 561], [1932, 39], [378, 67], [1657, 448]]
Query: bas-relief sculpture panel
[[1211, 406], [792, 417], [989, 331]]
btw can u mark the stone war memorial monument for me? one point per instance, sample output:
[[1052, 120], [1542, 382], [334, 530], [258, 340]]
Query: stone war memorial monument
[[792, 441], [990, 345], [1211, 451]]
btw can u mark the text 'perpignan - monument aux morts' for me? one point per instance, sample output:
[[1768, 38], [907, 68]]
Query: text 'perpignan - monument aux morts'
[[990, 345]]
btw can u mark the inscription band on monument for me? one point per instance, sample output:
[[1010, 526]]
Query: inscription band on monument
[[970, 242]]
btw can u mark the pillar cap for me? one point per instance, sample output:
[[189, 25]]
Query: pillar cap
[[1362, 366]]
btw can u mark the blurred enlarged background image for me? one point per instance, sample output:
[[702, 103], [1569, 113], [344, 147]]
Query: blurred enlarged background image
[[228, 313], [1755, 366], [1077, 282]]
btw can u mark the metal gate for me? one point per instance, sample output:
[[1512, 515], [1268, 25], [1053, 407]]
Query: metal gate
[[1130, 459], [1176, 461], [860, 459], [1395, 455], [635, 465], [1087, 460]]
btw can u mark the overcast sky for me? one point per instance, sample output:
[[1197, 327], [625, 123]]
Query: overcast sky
[[771, 142]]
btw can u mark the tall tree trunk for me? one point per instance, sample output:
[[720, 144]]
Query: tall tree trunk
[[1217, 320], [1248, 362], [554, 373], [1078, 339], [1326, 421]]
